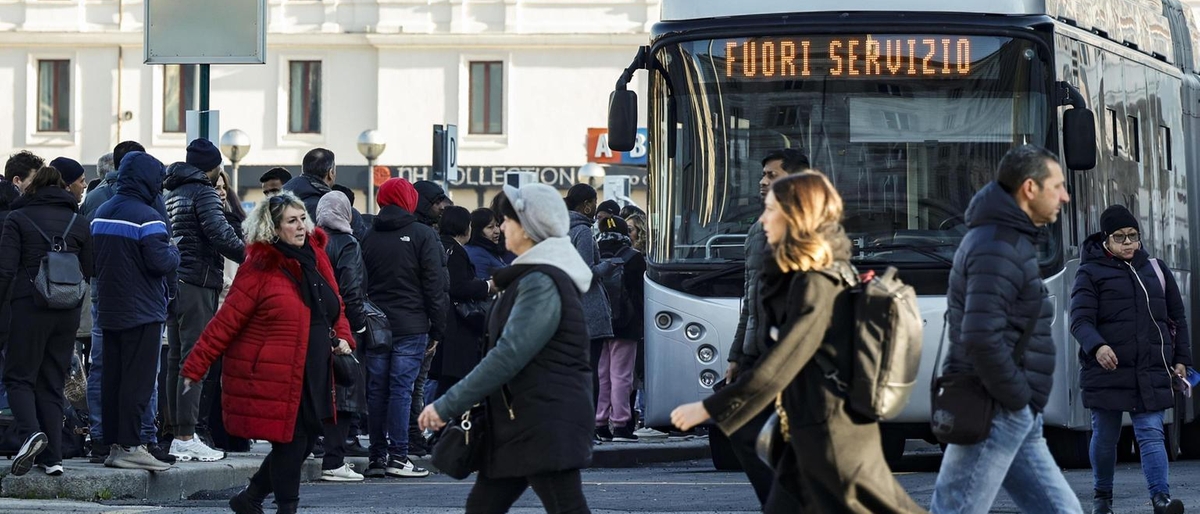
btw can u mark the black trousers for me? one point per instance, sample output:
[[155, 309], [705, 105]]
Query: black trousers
[[35, 370], [281, 468], [561, 493], [130, 374], [335, 441]]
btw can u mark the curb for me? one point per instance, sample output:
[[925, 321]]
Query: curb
[[91, 482]]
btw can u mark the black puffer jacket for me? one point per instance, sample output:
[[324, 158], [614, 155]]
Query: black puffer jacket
[[198, 219], [1123, 305], [995, 287], [22, 247], [406, 267]]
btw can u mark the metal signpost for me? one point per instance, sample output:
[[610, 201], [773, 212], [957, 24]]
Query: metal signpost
[[445, 153]]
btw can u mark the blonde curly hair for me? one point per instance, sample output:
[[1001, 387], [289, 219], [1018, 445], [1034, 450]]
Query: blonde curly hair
[[263, 222], [812, 208]]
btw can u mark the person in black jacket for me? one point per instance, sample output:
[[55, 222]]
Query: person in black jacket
[[1130, 321], [8, 194], [995, 288], [431, 202], [406, 267], [618, 358], [460, 350], [204, 235], [318, 173], [36, 368], [334, 215]]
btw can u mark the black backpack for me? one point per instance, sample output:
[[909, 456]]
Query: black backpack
[[623, 310], [887, 347]]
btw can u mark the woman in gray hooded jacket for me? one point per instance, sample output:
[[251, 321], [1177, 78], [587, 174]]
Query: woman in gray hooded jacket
[[534, 378]]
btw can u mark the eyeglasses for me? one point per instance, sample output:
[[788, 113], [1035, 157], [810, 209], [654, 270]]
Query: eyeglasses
[[1126, 238]]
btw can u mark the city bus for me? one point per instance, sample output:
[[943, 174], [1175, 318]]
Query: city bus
[[908, 112]]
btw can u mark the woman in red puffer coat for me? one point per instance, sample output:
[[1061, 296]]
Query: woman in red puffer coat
[[278, 330]]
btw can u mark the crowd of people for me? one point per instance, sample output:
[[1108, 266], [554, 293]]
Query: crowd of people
[[323, 324], [267, 300]]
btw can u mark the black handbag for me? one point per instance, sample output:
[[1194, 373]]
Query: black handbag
[[473, 313], [345, 367], [378, 336], [961, 408], [459, 448]]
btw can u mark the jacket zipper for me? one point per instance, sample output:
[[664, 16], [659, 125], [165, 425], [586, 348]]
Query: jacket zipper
[[504, 395]]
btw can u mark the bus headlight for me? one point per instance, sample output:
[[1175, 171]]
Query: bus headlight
[[693, 331], [662, 321], [708, 377], [706, 354]]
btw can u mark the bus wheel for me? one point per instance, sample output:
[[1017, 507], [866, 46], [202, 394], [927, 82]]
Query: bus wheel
[[722, 451], [1069, 447]]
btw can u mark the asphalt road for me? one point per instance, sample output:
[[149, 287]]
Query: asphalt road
[[685, 487]]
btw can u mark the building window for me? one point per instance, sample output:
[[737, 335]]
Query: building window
[[304, 97], [179, 95], [54, 96], [487, 97]]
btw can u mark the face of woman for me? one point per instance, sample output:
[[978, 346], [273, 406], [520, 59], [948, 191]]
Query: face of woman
[[515, 238], [1124, 242], [492, 232], [220, 187], [773, 220], [291, 229]]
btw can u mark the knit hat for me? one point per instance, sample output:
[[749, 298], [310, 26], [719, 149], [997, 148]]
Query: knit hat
[[202, 154], [398, 192], [278, 173], [614, 224], [70, 169], [609, 206], [1116, 218], [540, 210], [333, 212]]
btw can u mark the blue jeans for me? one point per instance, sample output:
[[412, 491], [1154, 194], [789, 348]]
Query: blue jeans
[[1015, 457], [1147, 429], [390, 377], [149, 430]]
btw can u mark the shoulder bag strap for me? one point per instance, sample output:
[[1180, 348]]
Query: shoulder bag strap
[[937, 360], [37, 228], [1162, 279]]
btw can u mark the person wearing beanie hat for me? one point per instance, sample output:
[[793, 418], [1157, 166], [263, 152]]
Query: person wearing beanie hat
[[72, 175], [202, 154], [405, 261], [537, 351], [1128, 316], [607, 209], [618, 356]]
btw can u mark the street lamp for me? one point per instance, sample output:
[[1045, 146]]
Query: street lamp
[[235, 144], [592, 173], [371, 146]]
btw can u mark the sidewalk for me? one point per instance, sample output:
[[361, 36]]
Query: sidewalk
[[86, 481]]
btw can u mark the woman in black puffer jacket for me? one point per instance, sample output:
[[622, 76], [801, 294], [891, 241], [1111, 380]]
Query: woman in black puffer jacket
[[1129, 319], [36, 367]]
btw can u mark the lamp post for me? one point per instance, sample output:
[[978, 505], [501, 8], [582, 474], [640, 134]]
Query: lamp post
[[235, 144], [371, 146], [592, 173]]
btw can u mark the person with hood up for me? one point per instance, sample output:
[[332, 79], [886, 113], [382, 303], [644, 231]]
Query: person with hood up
[[1130, 321], [485, 248], [281, 325], [318, 174], [37, 364], [618, 358], [334, 215], [204, 236], [135, 262], [405, 263], [459, 353], [535, 374], [431, 201]]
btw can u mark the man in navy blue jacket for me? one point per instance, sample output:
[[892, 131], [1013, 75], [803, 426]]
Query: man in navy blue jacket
[[134, 262]]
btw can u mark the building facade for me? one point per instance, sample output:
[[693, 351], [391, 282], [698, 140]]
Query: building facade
[[523, 80]]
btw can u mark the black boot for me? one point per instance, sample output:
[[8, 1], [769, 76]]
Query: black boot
[[249, 501], [288, 507], [1163, 504], [1102, 502]]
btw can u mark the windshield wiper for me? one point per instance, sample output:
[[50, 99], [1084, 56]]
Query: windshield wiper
[[714, 274], [926, 250]]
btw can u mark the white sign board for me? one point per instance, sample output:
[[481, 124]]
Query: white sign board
[[205, 31], [451, 149], [617, 188]]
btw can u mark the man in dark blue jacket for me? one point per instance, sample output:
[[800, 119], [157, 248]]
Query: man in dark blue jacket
[[204, 237], [995, 289], [134, 261], [318, 174]]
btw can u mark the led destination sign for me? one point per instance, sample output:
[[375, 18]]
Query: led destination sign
[[849, 57]]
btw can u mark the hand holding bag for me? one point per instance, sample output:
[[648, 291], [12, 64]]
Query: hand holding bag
[[459, 449], [962, 409], [345, 367]]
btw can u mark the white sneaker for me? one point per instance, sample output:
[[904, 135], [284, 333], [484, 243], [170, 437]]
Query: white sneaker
[[404, 469], [196, 450], [343, 474], [649, 433], [54, 470]]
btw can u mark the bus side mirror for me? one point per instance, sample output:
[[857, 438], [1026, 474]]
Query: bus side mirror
[[1079, 138], [622, 120]]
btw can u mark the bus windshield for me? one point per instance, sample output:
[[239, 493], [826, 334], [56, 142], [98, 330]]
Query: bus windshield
[[907, 127]]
